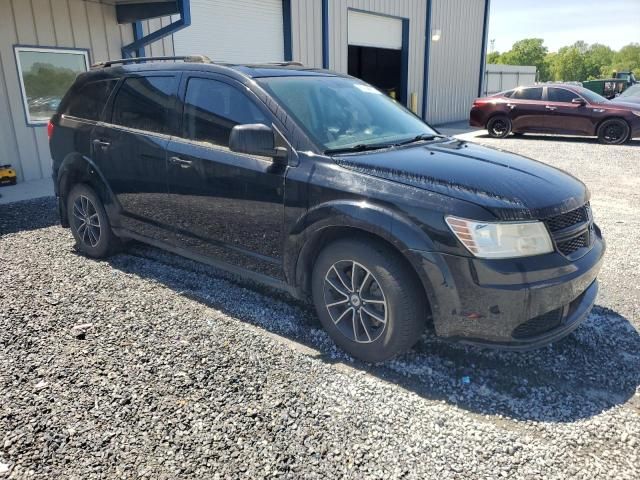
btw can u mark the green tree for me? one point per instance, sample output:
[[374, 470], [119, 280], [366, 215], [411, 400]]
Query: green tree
[[529, 51], [596, 56], [569, 64], [627, 58], [493, 57]]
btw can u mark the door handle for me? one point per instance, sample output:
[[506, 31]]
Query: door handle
[[101, 144], [549, 107], [511, 105], [181, 161]]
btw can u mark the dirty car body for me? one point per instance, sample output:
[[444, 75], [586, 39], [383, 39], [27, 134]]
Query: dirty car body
[[269, 219]]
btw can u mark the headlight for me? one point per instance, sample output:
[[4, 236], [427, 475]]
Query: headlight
[[501, 240]]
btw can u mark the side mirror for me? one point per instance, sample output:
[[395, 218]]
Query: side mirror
[[579, 101], [255, 139]]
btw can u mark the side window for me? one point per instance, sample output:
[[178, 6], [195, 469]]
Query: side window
[[560, 95], [212, 109], [508, 94], [144, 102], [528, 94], [89, 101]]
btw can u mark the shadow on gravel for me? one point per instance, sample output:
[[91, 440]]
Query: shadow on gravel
[[28, 215], [559, 138], [594, 369]]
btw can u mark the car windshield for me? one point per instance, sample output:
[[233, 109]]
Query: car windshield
[[592, 97], [633, 91], [342, 113]]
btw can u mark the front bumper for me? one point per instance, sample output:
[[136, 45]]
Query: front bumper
[[515, 303]]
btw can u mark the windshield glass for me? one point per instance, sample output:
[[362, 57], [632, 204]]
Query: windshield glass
[[592, 97], [633, 91], [341, 112]]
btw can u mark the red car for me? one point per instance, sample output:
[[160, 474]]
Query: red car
[[561, 108]]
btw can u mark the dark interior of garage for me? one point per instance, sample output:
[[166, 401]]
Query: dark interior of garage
[[381, 67]]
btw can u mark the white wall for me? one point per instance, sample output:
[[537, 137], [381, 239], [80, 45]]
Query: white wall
[[505, 77]]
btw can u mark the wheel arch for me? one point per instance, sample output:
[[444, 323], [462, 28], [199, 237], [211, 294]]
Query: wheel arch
[[612, 117], [494, 115], [76, 168], [347, 220]]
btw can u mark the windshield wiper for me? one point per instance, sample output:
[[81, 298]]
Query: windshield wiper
[[421, 137], [361, 147]]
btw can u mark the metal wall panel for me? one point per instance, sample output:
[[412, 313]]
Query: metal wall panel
[[234, 31], [306, 32], [48, 23], [454, 64], [306, 19]]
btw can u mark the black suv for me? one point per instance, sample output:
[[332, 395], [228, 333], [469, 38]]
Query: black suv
[[318, 183]]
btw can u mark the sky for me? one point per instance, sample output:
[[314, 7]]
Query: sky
[[563, 22]]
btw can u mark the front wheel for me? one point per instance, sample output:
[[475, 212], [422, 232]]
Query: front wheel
[[499, 127], [89, 222], [614, 131], [367, 299]]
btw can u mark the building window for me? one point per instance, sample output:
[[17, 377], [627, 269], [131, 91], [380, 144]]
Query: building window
[[45, 76]]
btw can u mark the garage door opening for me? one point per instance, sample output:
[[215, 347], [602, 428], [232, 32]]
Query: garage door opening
[[381, 67], [377, 52]]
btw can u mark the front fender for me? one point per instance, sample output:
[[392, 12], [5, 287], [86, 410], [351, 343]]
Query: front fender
[[377, 220]]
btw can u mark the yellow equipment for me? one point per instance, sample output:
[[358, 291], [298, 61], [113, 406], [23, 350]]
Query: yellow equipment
[[7, 175]]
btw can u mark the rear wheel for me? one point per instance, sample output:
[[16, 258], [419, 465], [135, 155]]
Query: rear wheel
[[89, 222], [614, 131], [499, 126], [367, 299]]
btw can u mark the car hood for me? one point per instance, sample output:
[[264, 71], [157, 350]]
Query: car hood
[[631, 102], [510, 186]]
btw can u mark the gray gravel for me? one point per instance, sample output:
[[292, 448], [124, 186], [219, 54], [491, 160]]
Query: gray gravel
[[149, 365]]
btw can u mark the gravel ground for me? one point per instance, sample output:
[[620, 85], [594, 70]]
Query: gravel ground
[[148, 365]]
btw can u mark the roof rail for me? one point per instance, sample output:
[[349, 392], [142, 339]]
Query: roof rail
[[184, 58], [284, 64]]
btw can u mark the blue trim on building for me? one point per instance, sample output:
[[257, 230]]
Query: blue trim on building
[[325, 33], [138, 33], [425, 74], [184, 8], [286, 30], [483, 54], [404, 86]]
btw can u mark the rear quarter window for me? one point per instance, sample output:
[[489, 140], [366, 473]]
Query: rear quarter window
[[89, 100], [528, 94]]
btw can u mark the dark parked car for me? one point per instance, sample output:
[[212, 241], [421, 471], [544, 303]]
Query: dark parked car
[[630, 95], [318, 183], [564, 109]]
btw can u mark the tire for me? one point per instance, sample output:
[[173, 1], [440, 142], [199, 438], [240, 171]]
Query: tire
[[499, 126], [614, 131], [96, 240], [390, 292]]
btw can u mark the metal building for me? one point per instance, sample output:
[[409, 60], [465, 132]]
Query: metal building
[[428, 54]]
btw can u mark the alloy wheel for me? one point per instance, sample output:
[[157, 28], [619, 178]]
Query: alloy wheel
[[613, 133], [355, 301], [86, 221], [499, 127]]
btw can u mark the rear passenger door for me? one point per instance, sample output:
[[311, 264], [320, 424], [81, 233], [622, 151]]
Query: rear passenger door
[[224, 204], [528, 112], [130, 148]]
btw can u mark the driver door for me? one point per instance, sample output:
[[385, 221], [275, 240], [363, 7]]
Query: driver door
[[224, 204]]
